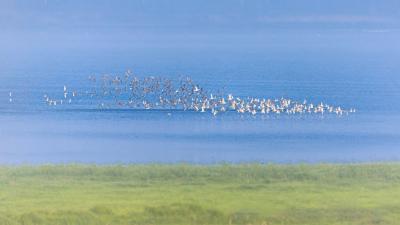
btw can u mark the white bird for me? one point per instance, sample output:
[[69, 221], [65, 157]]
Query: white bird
[[214, 112], [212, 97]]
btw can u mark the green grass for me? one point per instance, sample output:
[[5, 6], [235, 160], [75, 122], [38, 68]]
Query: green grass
[[193, 194]]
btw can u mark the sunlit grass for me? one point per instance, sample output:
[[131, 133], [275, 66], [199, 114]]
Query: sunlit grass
[[194, 194]]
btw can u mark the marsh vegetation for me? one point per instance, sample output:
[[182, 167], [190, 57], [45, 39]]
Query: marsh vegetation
[[200, 194]]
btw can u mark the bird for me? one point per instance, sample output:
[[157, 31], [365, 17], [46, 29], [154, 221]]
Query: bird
[[130, 91]]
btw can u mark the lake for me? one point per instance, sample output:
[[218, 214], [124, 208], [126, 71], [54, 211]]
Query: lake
[[350, 68]]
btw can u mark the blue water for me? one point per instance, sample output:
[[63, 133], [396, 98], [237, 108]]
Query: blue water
[[357, 69]]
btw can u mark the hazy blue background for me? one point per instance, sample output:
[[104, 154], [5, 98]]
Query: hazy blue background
[[39, 33], [340, 52]]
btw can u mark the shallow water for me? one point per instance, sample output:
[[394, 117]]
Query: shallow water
[[352, 69]]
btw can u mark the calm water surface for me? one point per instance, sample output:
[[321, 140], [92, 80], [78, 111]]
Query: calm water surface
[[356, 69]]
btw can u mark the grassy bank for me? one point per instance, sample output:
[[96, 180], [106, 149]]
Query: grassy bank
[[189, 194]]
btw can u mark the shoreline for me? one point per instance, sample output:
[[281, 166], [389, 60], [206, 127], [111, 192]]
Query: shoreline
[[202, 164]]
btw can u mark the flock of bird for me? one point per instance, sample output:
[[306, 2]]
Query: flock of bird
[[129, 91]]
